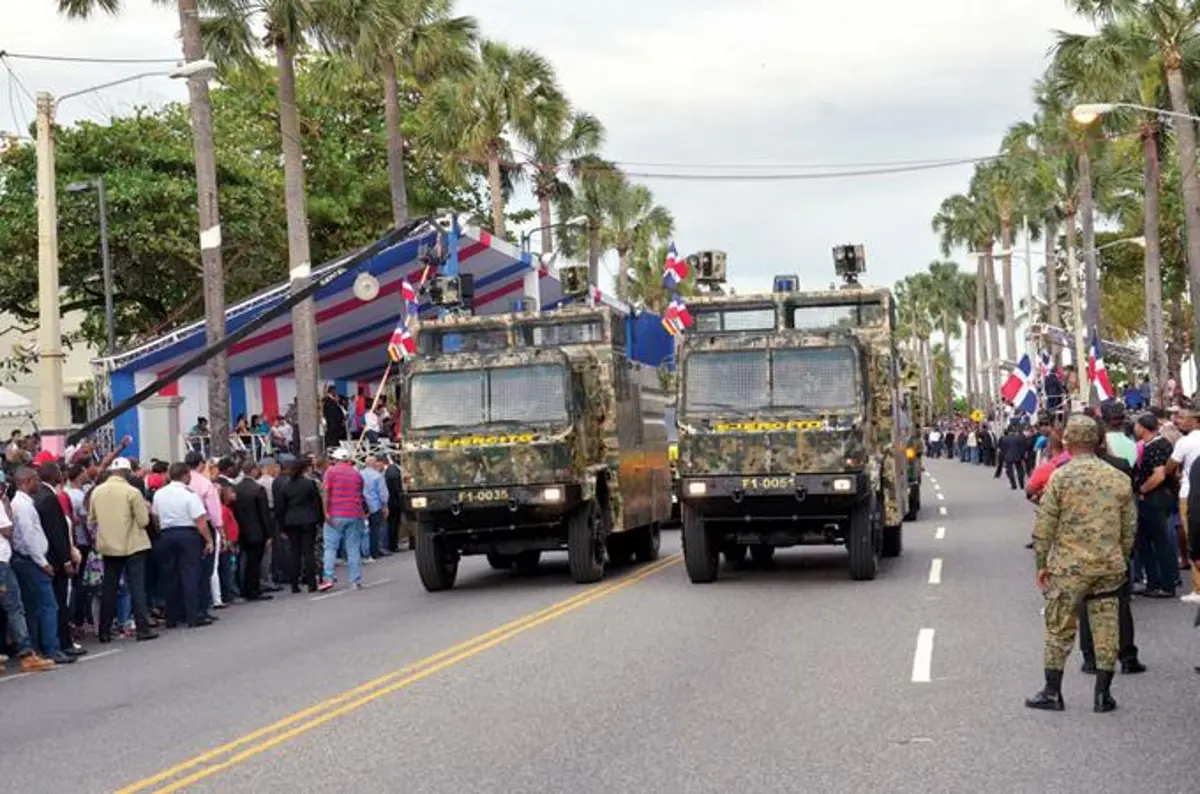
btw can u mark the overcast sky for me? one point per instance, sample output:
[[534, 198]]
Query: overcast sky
[[702, 82]]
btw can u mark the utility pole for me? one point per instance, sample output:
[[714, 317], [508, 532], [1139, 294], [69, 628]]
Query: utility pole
[[110, 314], [212, 266], [50, 355]]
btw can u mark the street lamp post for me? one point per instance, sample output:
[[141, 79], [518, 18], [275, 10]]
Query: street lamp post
[[533, 289], [110, 331], [50, 354]]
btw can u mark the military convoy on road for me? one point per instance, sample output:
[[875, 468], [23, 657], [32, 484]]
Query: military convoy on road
[[791, 425], [539, 431], [532, 432]]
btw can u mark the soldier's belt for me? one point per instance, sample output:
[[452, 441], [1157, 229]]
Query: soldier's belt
[[799, 485]]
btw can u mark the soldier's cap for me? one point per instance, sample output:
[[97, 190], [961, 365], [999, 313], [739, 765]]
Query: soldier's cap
[[1112, 411], [1081, 431]]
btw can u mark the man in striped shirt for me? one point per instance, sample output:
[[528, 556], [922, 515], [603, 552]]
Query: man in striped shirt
[[345, 517]]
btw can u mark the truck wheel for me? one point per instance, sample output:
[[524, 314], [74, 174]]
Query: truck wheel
[[586, 543], [501, 562], [893, 542], [526, 563], [436, 565], [762, 554], [914, 503], [860, 542], [700, 554], [648, 543]]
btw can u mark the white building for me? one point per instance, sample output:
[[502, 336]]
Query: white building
[[77, 372]]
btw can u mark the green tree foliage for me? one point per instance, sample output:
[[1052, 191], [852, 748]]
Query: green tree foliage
[[146, 160]]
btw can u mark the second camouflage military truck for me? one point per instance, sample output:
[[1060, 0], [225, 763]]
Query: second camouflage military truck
[[790, 428], [533, 432]]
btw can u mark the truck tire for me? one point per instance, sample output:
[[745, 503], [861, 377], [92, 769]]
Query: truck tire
[[700, 553], [500, 562], [860, 542], [914, 503], [437, 567], [648, 543], [586, 543], [893, 542], [526, 563]]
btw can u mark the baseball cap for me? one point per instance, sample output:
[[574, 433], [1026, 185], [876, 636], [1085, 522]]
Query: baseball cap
[[120, 464], [341, 453]]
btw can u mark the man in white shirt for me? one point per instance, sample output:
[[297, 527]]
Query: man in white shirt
[[34, 571], [10, 602], [1187, 449], [371, 425], [184, 542]]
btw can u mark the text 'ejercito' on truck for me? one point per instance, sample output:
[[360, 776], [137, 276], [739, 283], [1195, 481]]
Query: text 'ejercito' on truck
[[792, 427], [532, 432]]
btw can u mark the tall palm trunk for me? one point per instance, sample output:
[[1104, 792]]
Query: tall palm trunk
[[593, 252], [949, 385], [1186, 135], [304, 320], [1153, 269], [927, 364], [1087, 222], [545, 221], [1050, 240], [1070, 245], [496, 188], [212, 266], [623, 273], [982, 373], [395, 141], [989, 279], [1178, 341], [1010, 317], [972, 390]]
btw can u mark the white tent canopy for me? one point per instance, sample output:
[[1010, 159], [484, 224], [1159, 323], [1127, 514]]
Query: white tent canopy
[[13, 404]]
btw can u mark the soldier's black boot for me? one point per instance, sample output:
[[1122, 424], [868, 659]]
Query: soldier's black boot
[[1104, 699], [1050, 698]]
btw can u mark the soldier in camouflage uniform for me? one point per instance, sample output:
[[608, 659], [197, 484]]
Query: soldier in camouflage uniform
[[1083, 538]]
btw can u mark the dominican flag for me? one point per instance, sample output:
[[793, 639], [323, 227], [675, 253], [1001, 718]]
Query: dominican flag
[[677, 317], [409, 296], [595, 296], [1097, 373], [401, 345], [1020, 388], [1045, 364], [675, 270]]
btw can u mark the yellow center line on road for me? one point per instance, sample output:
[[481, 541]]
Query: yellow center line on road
[[320, 713]]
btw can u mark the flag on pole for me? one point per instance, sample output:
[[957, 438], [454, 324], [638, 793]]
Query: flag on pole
[[401, 345], [1045, 363], [1097, 373], [409, 296], [675, 270], [1020, 389], [677, 317]]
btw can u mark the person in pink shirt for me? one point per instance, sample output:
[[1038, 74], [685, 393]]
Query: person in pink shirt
[[211, 497]]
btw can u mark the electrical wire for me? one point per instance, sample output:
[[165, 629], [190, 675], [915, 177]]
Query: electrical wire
[[82, 59], [811, 176], [780, 166]]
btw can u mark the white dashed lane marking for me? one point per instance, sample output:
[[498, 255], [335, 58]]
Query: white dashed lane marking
[[923, 658], [935, 571], [942, 510], [940, 534], [941, 497]]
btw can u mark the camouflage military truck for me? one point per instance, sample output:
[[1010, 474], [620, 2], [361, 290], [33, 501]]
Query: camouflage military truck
[[790, 429], [532, 432]]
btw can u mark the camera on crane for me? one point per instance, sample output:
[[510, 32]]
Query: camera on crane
[[453, 292], [849, 262], [574, 280]]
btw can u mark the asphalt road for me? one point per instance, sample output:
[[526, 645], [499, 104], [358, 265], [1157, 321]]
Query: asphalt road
[[790, 679]]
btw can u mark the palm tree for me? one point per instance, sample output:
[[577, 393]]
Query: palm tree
[[963, 292], [209, 214], [560, 137], [913, 300], [945, 280], [646, 286], [1000, 182], [1124, 64], [593, 180], [632, 216], [962, 220], [232, 36], [395, 40], [1172, 27], [474, 116]]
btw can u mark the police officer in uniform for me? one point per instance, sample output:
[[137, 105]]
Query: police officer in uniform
[[1082, 539]]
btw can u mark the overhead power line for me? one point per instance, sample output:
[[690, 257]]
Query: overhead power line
[[81, 59], [779, 166], [792, 177]]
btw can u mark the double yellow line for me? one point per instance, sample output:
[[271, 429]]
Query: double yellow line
[[235, 752]]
